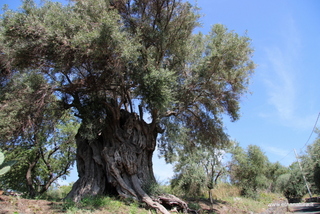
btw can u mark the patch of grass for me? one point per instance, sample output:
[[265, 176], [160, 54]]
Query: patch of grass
[[268, 197], [103, 205], [248, 205], [69, 205], [232, 195], [194, 206]]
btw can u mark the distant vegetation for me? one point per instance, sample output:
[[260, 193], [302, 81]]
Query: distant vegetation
[[77, 82], [250, 171], [248, 182]]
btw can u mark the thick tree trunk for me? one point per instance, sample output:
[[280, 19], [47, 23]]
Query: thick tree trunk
[[118, 161]]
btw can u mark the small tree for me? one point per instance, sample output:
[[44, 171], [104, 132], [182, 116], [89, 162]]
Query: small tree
[[274, 171], [311, 164], [197, 168], [248, 169], [292, 184]]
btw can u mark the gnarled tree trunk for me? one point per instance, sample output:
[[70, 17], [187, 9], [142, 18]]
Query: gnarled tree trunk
[[118, 161]]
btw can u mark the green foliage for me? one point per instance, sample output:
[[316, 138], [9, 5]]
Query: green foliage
[[218, 66], [96, 58], [292, 184], [311, 164], [56, 192], [197, 169], [4, 166], [153, 188], [275, 170], [153, 59], [249, 169], [37, 133], [111, 205]]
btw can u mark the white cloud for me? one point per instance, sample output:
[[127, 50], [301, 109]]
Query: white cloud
[[284, 156], [284, 87], [280, 84], [276, 151]]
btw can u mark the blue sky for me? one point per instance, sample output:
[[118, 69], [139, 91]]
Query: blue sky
[[280, 113]]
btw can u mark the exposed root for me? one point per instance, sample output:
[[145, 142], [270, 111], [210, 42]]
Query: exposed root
[[171, 201], [146, 198], [155, 205], [174, 203]]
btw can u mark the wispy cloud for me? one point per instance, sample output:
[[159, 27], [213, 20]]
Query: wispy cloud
[[280, 84], [282, 79], [284, 156], [276, 151]]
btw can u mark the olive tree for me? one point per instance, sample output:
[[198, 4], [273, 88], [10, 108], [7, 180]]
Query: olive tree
[[115, 63]]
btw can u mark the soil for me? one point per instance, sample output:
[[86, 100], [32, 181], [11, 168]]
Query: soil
[[16, 204], [218, 207]]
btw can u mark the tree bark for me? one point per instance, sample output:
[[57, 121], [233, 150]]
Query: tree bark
[[118, 161], [29, 182]]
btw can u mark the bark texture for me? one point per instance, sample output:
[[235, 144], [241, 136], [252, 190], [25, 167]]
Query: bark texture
[[118, 161]]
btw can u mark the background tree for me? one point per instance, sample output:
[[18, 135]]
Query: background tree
[[197, 168], [248, 169], [273, 172], [43, 144], [112, 62], [292, 184], [311, 165]]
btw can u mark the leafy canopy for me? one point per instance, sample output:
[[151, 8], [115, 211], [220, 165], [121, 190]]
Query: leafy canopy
[[249, 169], [36, 133], [101, 56]]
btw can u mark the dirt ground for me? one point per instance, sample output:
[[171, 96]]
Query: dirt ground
[[217, 207], [16, 204]]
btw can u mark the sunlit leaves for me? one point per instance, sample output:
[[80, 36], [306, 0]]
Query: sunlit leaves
[[249, 169], [102, 56]]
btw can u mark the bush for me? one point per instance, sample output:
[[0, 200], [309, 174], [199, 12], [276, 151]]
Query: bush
[[57, 193], [292, 186]]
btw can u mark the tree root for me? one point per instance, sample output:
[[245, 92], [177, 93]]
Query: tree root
[[162, 203], [169, 202], [175, 204]]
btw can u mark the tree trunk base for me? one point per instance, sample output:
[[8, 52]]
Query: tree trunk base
[[118, 161]]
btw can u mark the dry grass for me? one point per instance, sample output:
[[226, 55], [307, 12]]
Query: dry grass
[[231, 195], [223, 191], [227, 200]]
